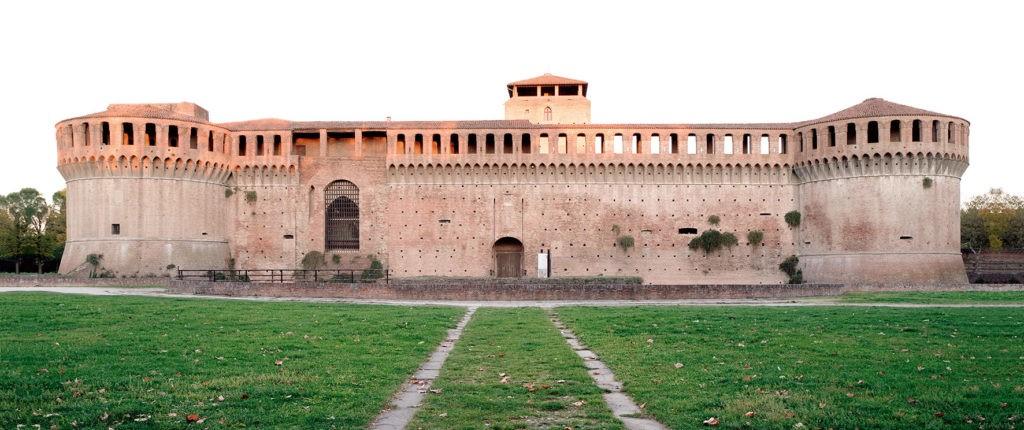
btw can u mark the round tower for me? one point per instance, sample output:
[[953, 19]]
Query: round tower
[[146, 189], [879, 194]]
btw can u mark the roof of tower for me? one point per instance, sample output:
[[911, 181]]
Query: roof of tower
[[874, 107], [548, 79], [184, 111]]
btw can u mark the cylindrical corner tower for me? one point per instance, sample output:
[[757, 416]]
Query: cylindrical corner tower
[[146, 190], [879, 195]]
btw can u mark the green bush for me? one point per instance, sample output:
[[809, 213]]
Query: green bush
[[712, 240], [336, 259], [375, 272], [793, 218], [250, 196], [789, 267], [93, 260], [926, 183], [714, 220], [228, 192], [625, 242], [313, 260], [755, 237]]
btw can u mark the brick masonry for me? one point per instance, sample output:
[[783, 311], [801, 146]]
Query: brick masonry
[[878, 186]]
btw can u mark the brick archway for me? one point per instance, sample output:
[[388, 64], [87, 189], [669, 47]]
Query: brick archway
[[508, 257]]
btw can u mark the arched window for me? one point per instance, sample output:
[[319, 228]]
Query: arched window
[[341, 216], [547, 114]]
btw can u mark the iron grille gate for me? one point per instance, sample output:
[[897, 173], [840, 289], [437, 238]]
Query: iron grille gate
[[341, 216]]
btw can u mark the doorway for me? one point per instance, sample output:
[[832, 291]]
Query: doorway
[[508, 257]]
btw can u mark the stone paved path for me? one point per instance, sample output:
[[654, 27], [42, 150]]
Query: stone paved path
[[407, 400], [621, 405]]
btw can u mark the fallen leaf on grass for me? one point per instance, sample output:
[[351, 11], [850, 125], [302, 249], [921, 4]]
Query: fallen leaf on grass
[[504, 379], [529, 387], [749, 414], [278, 362], [192, 418], [939, 414], [579, 403], [911, 400], [711, 422], [678, 365], [435, 390]]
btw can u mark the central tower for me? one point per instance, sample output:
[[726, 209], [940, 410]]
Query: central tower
[[548, 99]]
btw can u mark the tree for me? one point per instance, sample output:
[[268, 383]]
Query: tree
[[972, 230], [56, 225], [24, 235], [996, 209]]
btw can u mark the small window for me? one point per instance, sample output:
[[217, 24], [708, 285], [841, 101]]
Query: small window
[[872, 131], [150, 134], [895, 131], [765, 144], [277, 144], [814, 139], [241, 145], [915, 131], [259, 145], [193, 138], [709, 143], [951, 132], [209, 141], [547, 114], [688, 230], [691, 143], [727, 144], [127, 134], [783, 144], [906, 237], [289, 236], [105, 135], [831, 135], [172, 136], [115, 229], [935, 131], [851, 133]]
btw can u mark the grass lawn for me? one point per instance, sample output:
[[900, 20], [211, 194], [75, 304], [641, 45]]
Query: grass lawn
[[545, 384], [825, 367], [133, 362], [936, 297]]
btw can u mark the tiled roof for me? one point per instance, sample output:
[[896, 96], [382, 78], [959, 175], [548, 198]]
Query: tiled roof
[[874, 107], [548, 79], [141, 111]]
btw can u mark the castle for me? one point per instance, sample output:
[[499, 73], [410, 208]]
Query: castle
[[544, 192]]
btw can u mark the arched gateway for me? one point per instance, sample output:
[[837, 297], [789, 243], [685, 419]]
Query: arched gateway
[[508, 257]]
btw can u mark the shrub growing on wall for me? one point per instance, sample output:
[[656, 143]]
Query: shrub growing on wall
[[926, 183], [755, 237], [788, 266], [625, 242], [714, 220], [793, 218], [374, 272], [250, 196], [93, 260], [713, 240], [313, 260]]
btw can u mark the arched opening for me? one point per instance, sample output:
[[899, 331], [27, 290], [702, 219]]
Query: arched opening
[[341, 216], [547, 114], [508, 257]]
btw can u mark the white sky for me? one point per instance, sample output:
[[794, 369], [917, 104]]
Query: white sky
[[646, 62]]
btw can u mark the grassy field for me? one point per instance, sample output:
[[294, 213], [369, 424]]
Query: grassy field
[[936, 297], [130, 362], [810, 367], [512, 369]]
